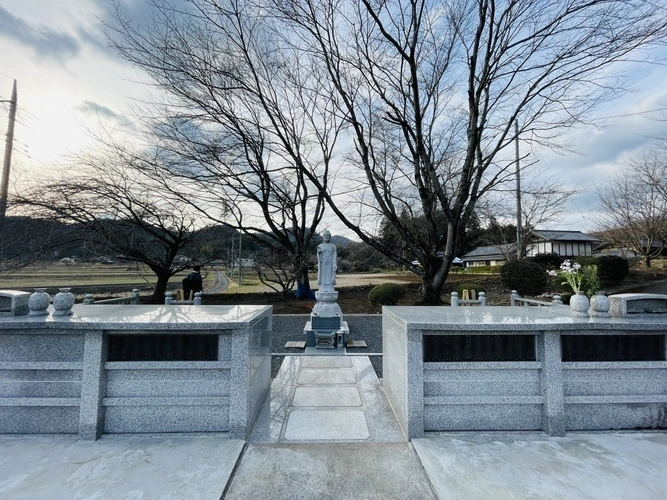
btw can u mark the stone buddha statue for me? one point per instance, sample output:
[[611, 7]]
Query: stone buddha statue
[[326, 263]]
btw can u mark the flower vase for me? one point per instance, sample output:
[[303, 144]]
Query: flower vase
[[600, 306], [38, 303], [63, 302], [579, 305]]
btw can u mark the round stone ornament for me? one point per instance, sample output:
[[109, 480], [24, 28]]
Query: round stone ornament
[[579, 305], [38, 303], [63, 302]]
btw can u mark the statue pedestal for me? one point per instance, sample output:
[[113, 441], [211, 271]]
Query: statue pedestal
[[326, 328]]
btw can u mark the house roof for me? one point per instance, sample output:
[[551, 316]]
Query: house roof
[[490, 252], [556, 235]]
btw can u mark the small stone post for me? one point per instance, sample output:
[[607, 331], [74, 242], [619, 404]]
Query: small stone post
[[455, 299]]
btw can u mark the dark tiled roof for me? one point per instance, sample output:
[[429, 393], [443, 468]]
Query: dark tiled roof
[[555, 235], [490, 252]]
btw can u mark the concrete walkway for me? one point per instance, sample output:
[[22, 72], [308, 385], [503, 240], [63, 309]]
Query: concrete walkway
[[327, 432]]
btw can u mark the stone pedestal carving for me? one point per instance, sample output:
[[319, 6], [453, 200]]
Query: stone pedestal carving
[[326, 328]]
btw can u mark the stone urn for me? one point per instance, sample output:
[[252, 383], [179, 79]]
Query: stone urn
[[578, 305], [63, 302], [600, 306], [39, 302]]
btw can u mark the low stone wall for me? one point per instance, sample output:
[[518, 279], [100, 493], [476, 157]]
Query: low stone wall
[[523, 369], [135, 369]]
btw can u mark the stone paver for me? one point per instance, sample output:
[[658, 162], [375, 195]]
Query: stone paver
[[368, 471], [177, 468], [579, 466], [326, 425], [312, 376], [326, 396]]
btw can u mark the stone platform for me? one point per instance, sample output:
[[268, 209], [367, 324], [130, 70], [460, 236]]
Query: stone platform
[[293, 453]]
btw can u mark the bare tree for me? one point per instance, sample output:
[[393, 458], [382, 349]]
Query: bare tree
[[431, 91], [243, 122], [632, 207], [427, 92], [121, 209]]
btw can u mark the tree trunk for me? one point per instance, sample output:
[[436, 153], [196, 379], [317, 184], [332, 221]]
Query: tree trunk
[[303, 291], [647, 261], [161, 286], [429, 295]]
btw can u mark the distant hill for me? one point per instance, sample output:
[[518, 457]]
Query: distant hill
[[340, 240]]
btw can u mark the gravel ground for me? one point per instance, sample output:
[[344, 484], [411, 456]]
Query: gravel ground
[[372, 338]]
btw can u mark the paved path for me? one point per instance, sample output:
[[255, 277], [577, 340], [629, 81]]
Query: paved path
[[326, 399], [220, 283]]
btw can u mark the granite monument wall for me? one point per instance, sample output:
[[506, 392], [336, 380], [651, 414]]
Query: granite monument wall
[[56, 378]]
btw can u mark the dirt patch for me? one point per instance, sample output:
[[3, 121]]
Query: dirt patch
[[354, 299]]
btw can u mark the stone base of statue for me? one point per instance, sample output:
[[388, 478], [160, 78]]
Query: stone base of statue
[[326, 328]]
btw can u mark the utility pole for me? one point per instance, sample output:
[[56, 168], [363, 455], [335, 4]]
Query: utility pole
[[231, 259], [9, 144], [4, 185], [519, 230], [240, 267]]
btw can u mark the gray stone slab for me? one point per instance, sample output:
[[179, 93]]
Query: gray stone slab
[[188, 468], [374, 471], [326, 396], [314, 376], [295, 344], [356, 343], [586, 466], [382, 423], [326, 425], [326, 362]]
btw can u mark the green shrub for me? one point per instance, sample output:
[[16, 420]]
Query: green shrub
[[548, 260], [386, 294], [470, 286], [525, 277], [612, 269], [584, 260]]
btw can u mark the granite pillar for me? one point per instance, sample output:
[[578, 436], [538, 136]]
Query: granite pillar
[[551, 383], [93, 386]]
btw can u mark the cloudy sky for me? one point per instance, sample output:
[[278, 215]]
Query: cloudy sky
[[68, 81]]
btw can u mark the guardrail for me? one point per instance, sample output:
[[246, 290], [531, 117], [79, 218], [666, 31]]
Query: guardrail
[[455, 301], [517, 300], [170, 301], [132, 299]]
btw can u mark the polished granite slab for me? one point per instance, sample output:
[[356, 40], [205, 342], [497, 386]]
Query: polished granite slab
[[508, 318], [120, 316]]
